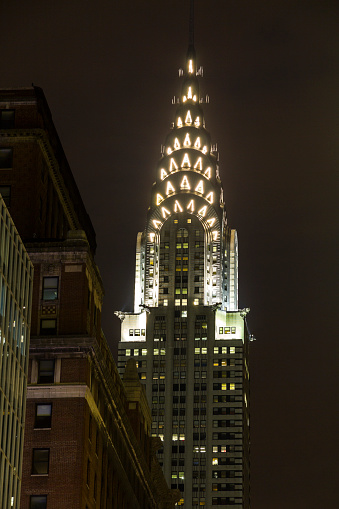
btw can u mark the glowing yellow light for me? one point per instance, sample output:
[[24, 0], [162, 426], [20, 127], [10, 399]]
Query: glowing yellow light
[[197, 143], [215, 235], [176, 144], [211, 222], [169, 188], [156, 223], [184, 99], [198, 164], [173, 165], [165, 212], [208, 173], [169, 150], [159, 199], [190, 206], [179, 122], [186, 161], [177, 206], [163, 174], [202, 211], [184, 183], [188, 119], [199, 188], [197, 122], [187, 140], [189, 93], [190, 66], [204, 150], [152, 237], [209, 197], [194, 98]]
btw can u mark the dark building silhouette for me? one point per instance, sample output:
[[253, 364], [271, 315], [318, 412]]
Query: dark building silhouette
[[187, 334], [87, 433]]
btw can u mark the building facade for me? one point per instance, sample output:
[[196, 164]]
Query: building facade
[[187, 335], [16, 282], [81, 450]]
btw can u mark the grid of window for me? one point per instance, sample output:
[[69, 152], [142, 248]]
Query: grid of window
[[16, 272]]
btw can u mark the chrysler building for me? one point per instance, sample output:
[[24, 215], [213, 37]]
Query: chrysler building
[[188, 337]]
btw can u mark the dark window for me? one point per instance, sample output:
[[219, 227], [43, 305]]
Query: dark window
[[5, 192], [40, 463], [46, 371], [50, 288], [38, 502], [7, 118], [43, 415], [6, 158], [48, 326]]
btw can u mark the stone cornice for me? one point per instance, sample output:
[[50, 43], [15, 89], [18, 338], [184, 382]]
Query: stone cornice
[[41, 137]]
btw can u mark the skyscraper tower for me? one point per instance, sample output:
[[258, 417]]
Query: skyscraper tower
[[186, 333]]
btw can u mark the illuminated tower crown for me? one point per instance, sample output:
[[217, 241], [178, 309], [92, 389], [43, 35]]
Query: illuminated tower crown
[[187, 210]]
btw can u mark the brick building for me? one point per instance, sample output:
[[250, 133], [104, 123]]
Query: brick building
[[87, 434]]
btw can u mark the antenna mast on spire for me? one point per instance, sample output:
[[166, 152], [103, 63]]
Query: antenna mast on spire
[[191, 25]]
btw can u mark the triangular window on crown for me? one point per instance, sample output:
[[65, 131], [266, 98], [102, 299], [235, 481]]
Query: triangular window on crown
[[163, 174], [190, 206], [197, 143], [177, 206], [200, 187], [159, 199], [173, 164], [169, 188], [186, 162], [187, 140], [184, 183]]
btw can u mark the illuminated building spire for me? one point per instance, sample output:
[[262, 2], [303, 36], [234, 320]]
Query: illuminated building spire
[[186, 333], [188, 194]]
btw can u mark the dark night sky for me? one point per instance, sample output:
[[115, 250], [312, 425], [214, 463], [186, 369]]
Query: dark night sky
[[109, 71]]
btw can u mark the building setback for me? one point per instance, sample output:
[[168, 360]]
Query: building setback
[[87, 442], [16, 281], [188, 337]]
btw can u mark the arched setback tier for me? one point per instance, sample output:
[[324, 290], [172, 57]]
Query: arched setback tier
[[188, 159]]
